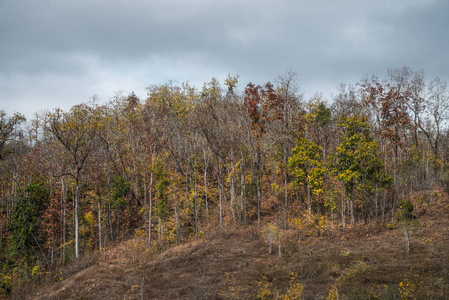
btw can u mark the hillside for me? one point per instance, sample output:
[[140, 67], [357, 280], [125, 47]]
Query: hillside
[[363, 262], [222, 172]]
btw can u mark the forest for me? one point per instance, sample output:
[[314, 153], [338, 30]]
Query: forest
[[185, 160]]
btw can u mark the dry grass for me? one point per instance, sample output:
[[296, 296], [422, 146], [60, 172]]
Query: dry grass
[[365, 262]]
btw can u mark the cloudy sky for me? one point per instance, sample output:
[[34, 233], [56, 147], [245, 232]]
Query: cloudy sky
[[58, 53]]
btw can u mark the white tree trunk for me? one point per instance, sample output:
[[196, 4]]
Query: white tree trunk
[[77, 238]]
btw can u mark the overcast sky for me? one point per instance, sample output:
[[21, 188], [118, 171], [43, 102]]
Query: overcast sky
[[58, 53]]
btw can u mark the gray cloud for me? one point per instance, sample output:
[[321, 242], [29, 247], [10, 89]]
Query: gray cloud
[[59, 53]]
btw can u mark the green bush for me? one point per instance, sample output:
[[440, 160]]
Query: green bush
[[406, 209]]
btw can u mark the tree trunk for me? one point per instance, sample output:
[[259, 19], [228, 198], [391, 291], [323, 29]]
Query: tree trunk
[[151, 200], [178, 233], [77, 199], [205, 194], [351, 207], [1, 224], [195, 207], [99, 223], [145, 198], [309, 202], [220, 191], [52, 251], [285, 189], [343, 209], [258, 194], [280, 253], [109, 206], [195, 200], [233, 194], [63, 203], [160, 231], [205, 186], [242, 193]]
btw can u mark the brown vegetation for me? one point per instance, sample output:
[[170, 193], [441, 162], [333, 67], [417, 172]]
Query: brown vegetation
[[363, 262]]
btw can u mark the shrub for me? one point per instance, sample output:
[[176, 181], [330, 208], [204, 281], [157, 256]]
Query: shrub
[[406, 209]]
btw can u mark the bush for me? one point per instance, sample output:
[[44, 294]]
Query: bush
[[406, 209]]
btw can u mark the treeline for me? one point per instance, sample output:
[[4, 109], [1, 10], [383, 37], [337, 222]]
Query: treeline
[[185, 159]]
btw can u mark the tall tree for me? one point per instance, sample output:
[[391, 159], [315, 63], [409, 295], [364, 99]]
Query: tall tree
[[77, 131], [214, 125], [437, 108], [291, 113], [389, 100], [357, 162], [25, 238], [306, 165], [263, 106], [8, 126]]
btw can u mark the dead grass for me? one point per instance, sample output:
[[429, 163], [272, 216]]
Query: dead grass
[[365, 262]]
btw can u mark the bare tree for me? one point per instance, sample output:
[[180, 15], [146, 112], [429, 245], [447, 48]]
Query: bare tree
[[8, 126], [437, 108], [290, 101]]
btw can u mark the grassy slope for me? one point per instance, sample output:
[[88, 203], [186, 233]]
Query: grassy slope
[[362, 262]]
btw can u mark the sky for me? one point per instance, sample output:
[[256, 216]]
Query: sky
[[59, 53]]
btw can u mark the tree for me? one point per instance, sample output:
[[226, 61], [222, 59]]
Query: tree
[[290, 115], [162, 211], [155, 115], [25, 240], [8, 125], [51, 223], [214, 124], [437, 108], [307, 167], [77, 131], [322, 120], [263, 106], [389, 101], [357, 162], [13, 151], [416, 103]]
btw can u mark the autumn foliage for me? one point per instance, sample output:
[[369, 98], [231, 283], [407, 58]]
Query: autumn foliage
[[183, 161]]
